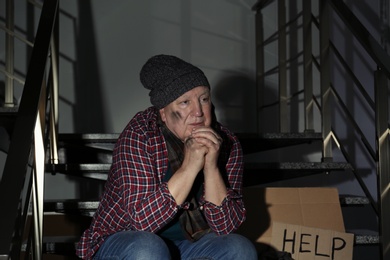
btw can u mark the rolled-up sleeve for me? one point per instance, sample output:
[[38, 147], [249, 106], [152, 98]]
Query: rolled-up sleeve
[[228, 216]]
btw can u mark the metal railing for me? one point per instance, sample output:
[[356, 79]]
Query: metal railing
[[327, 99], [9, 43], [35, 126]]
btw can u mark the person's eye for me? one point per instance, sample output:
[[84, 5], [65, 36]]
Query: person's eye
[[205, 99], [184, 102]]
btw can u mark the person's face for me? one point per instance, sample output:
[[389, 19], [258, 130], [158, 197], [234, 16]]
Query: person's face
[[190, 110]]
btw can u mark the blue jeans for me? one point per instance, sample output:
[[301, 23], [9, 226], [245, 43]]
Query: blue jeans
[[139, 245]]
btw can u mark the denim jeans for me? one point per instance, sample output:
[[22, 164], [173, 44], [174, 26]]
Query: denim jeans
[[139, 245]]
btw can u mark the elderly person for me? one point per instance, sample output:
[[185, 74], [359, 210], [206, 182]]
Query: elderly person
[[174, 190]]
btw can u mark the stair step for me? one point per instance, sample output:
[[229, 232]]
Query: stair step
[[9, 110], [88, 170], [86, 148], [293, 138], [85, 153], [83, 167], [98, 147], [367, 239], [346, 200], [88, 138], [311, 166], [254, 173], [252, 143], [7, 118], [261, 173], [88, 208], [58, 245], [74, 207]]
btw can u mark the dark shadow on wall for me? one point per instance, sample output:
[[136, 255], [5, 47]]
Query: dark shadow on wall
[[88, 111], [234, 97], [88, 108]]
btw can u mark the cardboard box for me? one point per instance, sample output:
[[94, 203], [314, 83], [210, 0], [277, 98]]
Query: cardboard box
[[306, 207]]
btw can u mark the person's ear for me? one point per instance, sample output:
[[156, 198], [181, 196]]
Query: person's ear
[[162, 115]]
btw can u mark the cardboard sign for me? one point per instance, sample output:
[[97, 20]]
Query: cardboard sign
[[307, 243], [316, 207]]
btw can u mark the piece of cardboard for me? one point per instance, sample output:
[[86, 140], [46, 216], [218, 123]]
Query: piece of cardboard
[[309, 207], [307, 243]]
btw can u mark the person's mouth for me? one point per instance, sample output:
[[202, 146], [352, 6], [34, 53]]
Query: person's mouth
[[197, 124]]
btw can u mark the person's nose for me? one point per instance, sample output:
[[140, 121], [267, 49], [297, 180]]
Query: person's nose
[[197, 109]]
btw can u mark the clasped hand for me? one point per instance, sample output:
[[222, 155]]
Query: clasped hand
[[202, 148]]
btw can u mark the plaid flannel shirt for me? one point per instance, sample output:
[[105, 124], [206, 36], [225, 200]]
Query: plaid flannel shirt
[[136, 196]]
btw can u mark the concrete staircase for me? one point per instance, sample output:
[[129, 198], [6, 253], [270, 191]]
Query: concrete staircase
[[88, 157]]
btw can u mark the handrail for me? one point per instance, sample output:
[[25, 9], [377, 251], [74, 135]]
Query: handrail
[[20, 148]]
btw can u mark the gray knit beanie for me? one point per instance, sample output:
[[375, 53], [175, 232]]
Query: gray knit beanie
[[168, 77]]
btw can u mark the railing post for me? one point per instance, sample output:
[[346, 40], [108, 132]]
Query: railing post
[[54, 93], [39, 174], [282, 56], [9, 61], [308, 66], [259, 69], [325, 81], [383, 164]]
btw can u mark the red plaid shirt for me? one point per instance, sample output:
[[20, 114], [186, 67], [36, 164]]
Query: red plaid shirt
[[137, 198]]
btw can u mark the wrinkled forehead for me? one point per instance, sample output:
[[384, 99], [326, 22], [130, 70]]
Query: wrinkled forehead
[[195, 92]]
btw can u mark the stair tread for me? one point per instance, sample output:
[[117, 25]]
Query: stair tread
[[88, 137], [60, 245], [9, 110], [253, 172], [64, 205], [84, 167], [111, 136], [348, 200], [248, 165], [298, 165], [91, 205], [275, 135], [367, 239], [262, 173], [252, 143]]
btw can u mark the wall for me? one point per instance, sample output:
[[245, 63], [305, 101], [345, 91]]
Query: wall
[[104, 45]]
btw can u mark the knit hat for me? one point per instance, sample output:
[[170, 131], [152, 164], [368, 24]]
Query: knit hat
[[168, 77]]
